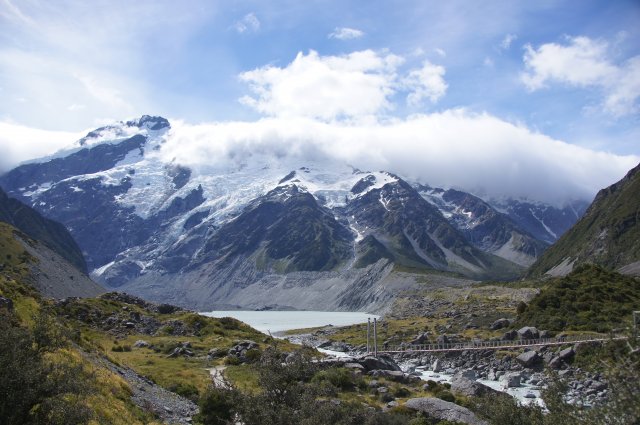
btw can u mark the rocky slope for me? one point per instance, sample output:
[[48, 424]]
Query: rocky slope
[[607, 234], [53, 234], [255, 229], [42, 268]]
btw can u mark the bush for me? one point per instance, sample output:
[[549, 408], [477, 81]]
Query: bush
[[446, 396], [216, 407], [33, 389], [401, 392], [185, 390]]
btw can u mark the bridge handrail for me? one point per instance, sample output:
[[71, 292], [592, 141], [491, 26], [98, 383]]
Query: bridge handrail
[[475, 345]]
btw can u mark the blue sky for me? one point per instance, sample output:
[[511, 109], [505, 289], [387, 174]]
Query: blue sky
[[569, 70]]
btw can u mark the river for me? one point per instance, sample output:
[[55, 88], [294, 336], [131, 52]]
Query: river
[[280, 321]]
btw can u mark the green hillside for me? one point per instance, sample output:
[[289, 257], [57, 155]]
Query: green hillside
[[608, 234]]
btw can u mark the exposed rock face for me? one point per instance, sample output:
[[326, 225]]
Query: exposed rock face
[[444, 410]]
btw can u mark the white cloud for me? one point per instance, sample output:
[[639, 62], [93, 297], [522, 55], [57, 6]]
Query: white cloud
[[584, 62], [425, 83], [344, 33], [454, 148], [440, 51], [352, 86], [325, 87], [505, 44], [19, 143], [248, 23]]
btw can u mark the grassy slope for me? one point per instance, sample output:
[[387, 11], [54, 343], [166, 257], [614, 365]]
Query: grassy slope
[[111, 401]]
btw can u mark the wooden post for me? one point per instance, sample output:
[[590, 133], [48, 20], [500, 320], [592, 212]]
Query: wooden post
[[375, 337], [368, 335]]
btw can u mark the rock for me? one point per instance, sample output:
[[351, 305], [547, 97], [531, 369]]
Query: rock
[[511, 380], [355, 366], [510, 336], [378, 363], [216, 353], [421, 339], [500, 323], [555, 363], [382, 390], [442, 339], [141, 344], [529, 395], [392, 404], [444, 410], [6, 303], [437, 366], [129, 325], [528, 332], [546, 334], [567, 354], [464, 383], [529, 358], [394, 375]]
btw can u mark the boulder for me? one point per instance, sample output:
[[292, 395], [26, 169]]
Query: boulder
[[141, 343], [437, 365], [556, 363], [528, 332], [529, 358], [465, 383], [421, 339], [394, 375], [444, 410], [510, 336], [511, 380], [216, 352], [442, 339], [378, 363], [567, 354], [500, 323]]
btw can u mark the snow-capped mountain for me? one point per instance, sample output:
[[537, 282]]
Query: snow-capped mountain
[[260, 230]]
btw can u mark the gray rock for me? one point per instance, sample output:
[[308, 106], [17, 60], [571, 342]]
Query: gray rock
[[528, 332], [355, 366], [567, 354], [394, 375], [511, 380], [556, 363], [464, 383], [437, 365], [421, 339], [529, 358], [442, 339], [216, 353], [141, 344], [500, 323], [510, 336], [378, 363], [444, 410]]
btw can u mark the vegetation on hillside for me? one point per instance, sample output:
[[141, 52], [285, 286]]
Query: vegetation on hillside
[[591, 298]]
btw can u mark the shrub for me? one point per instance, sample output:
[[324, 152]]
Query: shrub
[[446, 396], [185, 390]]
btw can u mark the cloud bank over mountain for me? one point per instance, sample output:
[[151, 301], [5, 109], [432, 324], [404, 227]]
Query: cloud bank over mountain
[[454, 148]]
